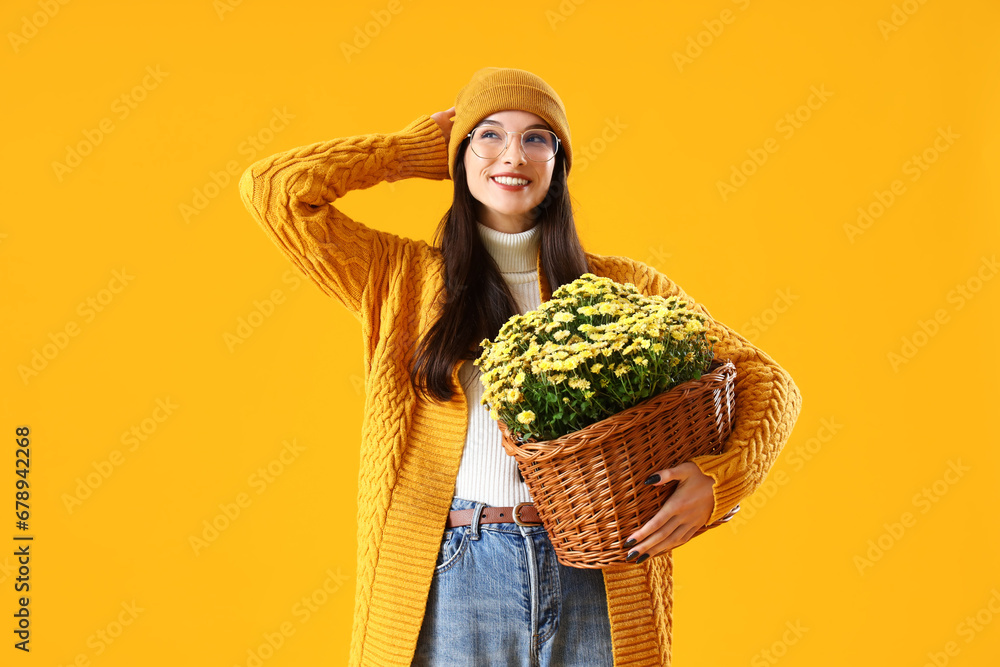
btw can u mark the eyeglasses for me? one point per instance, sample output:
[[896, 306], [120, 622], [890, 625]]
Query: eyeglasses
[[489, 142]]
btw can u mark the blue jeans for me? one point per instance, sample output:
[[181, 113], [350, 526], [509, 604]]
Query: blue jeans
[[500, 597]]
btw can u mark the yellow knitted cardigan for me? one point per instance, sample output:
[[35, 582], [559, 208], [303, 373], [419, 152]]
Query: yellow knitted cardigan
[[410, 448]]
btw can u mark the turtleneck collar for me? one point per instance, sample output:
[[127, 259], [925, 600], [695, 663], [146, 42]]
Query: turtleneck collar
[[513, 253]]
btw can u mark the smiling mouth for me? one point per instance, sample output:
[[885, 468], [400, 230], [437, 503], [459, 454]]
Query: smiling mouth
[[510, 181]]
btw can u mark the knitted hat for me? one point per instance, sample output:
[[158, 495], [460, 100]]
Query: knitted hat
[[494, 89]]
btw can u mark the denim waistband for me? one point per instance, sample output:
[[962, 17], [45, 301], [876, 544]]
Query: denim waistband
[[463, 504]]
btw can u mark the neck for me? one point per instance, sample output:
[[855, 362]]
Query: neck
[[513, 253], [502, 222]]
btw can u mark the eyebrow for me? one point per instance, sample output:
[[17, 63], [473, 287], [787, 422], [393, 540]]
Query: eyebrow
[[489, 121]]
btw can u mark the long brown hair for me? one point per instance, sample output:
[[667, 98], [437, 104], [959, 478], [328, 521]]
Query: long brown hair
[[477, 300]]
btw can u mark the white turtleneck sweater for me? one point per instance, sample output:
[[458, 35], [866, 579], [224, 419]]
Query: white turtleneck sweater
[[487, 473]]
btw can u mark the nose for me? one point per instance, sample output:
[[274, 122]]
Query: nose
[[514, 153]]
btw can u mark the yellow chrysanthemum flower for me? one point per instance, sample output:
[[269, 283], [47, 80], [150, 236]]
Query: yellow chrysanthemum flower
[[545, 347], [607, 308]]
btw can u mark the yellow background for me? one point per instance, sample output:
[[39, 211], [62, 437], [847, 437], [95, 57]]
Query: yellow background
[[653, 136]]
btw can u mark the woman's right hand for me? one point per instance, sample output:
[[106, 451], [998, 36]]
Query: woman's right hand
[[444, 119]]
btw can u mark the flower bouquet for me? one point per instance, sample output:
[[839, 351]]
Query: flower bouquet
[[594, 390]]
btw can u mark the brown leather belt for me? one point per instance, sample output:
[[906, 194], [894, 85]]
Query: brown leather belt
[[523, 514]]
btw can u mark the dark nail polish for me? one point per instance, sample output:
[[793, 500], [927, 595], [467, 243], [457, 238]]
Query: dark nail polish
[[630, 542], [631, 555], [652, 479], [642, 558]]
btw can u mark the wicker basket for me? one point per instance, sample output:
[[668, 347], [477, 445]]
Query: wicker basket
[[588, 485]]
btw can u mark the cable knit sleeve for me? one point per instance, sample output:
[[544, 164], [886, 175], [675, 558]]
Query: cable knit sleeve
[[292, 194], [767, 405]]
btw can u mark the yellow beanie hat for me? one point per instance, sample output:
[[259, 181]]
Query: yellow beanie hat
[[494, 89]]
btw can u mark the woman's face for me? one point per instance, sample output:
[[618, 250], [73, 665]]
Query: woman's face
[[504, 207]]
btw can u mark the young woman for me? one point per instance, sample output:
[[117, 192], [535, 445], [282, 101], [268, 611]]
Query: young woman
[[453, 567]]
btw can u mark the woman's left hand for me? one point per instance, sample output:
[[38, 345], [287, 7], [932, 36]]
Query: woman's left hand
[[687, 509]]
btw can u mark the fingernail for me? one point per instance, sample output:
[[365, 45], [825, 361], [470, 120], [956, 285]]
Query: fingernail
[[642, 558], [652, 479], [630, 542], [631, 555]]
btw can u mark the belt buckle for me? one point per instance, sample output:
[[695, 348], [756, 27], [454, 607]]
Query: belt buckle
[[517, 516]]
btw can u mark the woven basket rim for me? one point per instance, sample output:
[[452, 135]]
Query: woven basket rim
[[718, 371]]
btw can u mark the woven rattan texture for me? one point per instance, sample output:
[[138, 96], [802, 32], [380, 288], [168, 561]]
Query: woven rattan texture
[[588, 485]]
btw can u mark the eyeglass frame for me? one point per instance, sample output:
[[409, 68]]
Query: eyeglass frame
[[506, 142]]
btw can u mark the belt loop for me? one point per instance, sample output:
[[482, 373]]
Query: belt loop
[[474, 526]]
